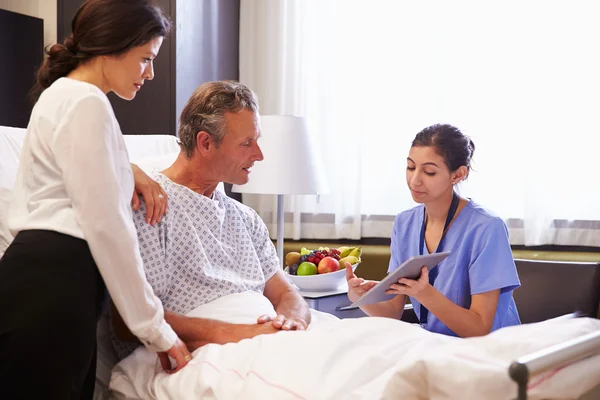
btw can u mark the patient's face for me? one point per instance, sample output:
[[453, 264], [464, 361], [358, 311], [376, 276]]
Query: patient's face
[[427, 175], [239, 149]]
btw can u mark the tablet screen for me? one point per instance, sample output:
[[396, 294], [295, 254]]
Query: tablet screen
[[410, 269]]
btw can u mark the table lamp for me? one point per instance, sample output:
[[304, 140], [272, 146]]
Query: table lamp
[[291, 165]]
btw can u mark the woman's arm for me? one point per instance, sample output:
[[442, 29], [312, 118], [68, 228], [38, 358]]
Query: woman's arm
[[197, 332], [475, 321], [357, 287], [153, 194], [95, 171]]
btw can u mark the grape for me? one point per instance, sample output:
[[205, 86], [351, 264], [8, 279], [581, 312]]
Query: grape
[[293, 269], [303, 258]]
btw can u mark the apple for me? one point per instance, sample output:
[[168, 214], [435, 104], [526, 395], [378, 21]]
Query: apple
[[328, 264], [307, 268]]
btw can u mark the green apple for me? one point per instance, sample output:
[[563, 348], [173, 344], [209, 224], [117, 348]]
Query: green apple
[[307, 268]]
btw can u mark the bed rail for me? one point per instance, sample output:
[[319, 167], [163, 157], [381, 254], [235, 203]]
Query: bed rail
[[553, 357]]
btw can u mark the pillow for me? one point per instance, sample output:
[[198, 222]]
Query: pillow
[[140, 146], [160, 162], [5, 236], [11, 143]]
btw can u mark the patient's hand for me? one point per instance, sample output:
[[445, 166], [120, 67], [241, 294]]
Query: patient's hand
[[357, 287], [284, 323], [153, 194]]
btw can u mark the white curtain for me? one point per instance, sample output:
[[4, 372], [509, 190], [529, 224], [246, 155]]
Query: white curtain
[[520, 77]]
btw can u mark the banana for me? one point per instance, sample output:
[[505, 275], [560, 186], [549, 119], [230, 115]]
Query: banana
[[351, 259], [345, 251], [356, 252]]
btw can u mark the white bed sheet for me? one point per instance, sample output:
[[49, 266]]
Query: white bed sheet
[[361, 358]]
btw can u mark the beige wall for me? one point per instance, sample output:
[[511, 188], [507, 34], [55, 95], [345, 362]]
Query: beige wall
[[44, 9]]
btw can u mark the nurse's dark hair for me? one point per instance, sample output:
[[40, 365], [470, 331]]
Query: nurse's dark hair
[[455, 147], [100, 28]]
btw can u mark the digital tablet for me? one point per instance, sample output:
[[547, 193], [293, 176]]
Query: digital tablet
[[410, 269]]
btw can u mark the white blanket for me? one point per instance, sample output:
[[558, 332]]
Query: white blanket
[[364, 358]]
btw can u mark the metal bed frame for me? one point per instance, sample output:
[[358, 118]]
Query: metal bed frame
[[554, 357]]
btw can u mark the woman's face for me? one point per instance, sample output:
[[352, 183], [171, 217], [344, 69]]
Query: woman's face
[[427, 175], [125, 74]]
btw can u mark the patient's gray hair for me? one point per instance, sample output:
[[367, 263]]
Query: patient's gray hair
[[205, 111]]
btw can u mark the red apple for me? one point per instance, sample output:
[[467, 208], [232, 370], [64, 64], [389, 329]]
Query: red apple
[[328, 264]]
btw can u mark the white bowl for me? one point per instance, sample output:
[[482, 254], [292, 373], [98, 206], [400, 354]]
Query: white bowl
[[319, 282]]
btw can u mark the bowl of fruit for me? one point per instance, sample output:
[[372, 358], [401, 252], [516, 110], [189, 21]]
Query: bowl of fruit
[[322, 269]]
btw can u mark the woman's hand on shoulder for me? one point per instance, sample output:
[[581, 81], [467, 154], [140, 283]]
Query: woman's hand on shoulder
[[357, 287], [410, 287], [153, 194]]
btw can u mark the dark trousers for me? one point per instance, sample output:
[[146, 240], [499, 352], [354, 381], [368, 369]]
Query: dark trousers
[[51, 296]]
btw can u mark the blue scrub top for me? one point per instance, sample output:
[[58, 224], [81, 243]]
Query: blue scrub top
[[481, 261]]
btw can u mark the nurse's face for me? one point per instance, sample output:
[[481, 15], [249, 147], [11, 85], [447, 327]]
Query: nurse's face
[[427, 175]]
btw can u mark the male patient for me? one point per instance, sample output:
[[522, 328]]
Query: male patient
[[208, 245]]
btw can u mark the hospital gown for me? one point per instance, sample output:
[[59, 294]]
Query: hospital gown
[[202, 249]]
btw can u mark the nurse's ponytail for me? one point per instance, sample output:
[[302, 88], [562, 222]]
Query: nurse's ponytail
[[454, 146]]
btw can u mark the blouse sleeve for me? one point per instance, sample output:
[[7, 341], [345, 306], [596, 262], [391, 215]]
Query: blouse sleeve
[[98, 180]]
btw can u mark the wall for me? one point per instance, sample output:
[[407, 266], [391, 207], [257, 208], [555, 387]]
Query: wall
[[44, 9], [207, 45]]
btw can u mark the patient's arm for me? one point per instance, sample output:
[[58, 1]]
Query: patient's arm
[[196, 332], [121, 330], [292, 310]]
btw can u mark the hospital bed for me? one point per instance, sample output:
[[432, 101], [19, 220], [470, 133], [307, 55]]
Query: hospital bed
[[554, 358], [157, 151]]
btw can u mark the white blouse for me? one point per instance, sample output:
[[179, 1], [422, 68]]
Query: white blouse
[[75, 178]]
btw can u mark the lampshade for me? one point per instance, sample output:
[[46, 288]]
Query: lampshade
[[292, 163]]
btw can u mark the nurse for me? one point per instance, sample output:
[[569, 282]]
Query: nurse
[[470, 292]]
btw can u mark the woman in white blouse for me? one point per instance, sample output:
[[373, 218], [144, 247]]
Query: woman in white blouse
[[71, 212]]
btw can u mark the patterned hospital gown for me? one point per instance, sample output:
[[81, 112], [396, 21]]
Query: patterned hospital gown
[[202, 249]]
